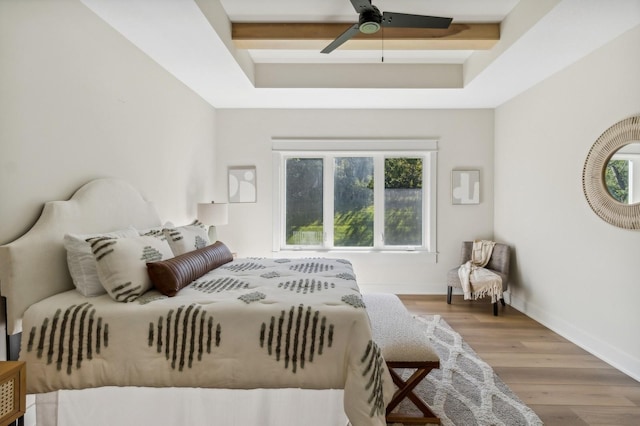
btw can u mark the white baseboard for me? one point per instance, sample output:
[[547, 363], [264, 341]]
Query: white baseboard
[[404, 288], [618, 359]]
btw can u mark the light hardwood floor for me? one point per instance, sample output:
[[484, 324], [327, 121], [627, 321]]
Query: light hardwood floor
[[562, 383]]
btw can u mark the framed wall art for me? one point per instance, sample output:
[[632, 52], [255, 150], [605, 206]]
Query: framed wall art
[[465, 187], [242, 184]]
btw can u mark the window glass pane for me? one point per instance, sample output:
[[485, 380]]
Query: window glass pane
[[353, 202], [304, 201], [403, 201]]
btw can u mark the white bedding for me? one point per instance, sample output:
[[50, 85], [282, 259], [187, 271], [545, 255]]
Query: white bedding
[[188, 406], [252, 323]]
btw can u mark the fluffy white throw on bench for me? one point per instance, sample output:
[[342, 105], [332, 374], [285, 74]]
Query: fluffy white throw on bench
[[476, 280], [398, 334]]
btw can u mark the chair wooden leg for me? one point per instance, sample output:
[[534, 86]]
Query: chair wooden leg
[[449, 293], [502, 301], [495, 308]]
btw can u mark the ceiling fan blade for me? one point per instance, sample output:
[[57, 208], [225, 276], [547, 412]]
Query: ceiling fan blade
[[361, 5], [353, 30], [393, 19]]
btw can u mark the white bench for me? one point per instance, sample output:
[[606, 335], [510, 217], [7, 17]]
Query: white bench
[[403, 344]]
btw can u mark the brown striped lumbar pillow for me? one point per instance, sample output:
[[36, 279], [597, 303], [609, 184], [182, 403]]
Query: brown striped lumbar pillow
[[171, 275]]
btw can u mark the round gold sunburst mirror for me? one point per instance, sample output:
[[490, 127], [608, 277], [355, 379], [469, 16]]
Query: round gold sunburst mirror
[[610, 181]]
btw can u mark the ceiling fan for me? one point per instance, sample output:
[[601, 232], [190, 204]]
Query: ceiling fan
[[371, 19]]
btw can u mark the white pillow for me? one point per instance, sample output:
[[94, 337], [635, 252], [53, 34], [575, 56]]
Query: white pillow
[[156, 231], [183, 239], [82, 264], [122, 264]]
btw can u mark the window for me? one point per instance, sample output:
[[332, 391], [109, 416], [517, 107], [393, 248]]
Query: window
[[304, 195], [354, 199], [403, 200], [353, 206]]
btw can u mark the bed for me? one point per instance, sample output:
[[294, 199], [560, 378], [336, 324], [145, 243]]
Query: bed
[[251, 338]]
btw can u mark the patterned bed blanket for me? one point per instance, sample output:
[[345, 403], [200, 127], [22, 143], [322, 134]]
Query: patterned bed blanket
[[251, 323]]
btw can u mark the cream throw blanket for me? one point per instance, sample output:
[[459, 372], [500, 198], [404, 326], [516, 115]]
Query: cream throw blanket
[[476, 280]]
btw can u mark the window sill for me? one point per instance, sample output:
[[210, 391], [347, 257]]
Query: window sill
[[424, 255]]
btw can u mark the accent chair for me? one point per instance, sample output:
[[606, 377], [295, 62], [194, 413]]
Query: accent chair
[[498, 263]]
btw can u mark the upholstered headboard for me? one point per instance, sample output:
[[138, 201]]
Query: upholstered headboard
[[34, 266]]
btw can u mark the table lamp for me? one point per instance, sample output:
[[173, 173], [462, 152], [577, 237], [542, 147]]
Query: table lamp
[[213, 214]]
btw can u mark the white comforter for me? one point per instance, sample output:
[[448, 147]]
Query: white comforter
[[252, 323]]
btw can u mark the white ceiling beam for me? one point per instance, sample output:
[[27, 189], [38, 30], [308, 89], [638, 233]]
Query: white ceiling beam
[[359, 76]]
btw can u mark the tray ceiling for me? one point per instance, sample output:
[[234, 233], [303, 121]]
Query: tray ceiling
[[197, 41]]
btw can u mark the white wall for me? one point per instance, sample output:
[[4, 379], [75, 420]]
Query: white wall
[[574, 273], [77, 102], [465, 141]]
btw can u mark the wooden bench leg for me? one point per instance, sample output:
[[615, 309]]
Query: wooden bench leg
[[406, 390]]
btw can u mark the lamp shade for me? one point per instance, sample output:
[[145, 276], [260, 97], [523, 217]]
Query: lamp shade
[[213, 214]]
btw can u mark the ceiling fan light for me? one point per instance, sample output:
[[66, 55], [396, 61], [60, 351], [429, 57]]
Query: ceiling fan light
[[369, 27]]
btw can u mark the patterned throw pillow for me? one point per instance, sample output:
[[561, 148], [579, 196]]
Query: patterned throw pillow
[[122, 263], [82, 264], [156, 231], [183, 239]]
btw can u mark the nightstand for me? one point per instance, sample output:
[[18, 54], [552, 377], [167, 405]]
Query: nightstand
[[13, 397]]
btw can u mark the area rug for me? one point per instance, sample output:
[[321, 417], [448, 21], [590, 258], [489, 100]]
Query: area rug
[[465, 391]]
